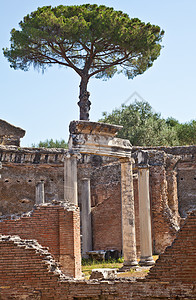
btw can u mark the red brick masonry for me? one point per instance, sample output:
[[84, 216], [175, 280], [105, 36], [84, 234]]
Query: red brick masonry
[[27, 271], [53, 226]]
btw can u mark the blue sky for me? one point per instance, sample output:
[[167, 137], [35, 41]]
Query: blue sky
[[44, 104]]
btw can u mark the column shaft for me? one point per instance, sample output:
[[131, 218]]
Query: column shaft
[[70, 180], [39, 193], [145, 218], [128, 215], [86, 217]]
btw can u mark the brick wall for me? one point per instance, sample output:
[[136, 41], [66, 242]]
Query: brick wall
[[27, 271], [53, 226], [106, 219], [106, 213], [178, 262]]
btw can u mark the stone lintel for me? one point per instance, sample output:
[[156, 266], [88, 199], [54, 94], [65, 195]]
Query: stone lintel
[[97, 138], [87, 127]]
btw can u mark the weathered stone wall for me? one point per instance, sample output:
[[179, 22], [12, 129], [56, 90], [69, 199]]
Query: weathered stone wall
[[28, 270], [53, 226], [186, 175], [164, 201], [22, 169], [186, 186]]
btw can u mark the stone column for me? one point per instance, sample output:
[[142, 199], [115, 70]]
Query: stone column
[[86, 217], [128, 215], [70, 179], [146, 258], [39, 193]]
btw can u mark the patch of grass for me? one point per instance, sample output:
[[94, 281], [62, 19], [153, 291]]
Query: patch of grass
[[88, 265]]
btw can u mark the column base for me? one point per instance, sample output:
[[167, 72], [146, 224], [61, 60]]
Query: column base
[[127, 265], [146, 261]]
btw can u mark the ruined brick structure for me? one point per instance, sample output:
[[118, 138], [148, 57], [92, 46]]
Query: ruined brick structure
[[27, 271], [56, 226], [172, 187], [39, 262]]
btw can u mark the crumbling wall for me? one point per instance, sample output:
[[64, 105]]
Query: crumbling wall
[[53, 226], [21, 170], [28, 270], [164, 201], [163, 197], [178, 262]]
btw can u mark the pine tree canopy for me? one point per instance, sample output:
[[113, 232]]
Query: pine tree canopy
[[95, 41]]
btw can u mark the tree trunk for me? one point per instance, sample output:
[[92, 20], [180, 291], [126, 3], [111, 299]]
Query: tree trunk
[[84, 102]]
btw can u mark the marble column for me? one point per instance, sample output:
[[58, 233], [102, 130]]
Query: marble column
[[146, 258], [128, 215], [39, 193], [70, 179], [86, 217]]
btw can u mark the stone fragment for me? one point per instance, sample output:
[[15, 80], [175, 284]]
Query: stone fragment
[[105, 273]]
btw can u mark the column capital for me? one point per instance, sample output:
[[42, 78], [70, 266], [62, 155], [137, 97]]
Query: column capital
[[126, 160], [73, 153], [85, 178], [143, 166]]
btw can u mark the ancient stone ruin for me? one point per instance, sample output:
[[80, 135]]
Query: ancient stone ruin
[[101, 196], [9, 134]]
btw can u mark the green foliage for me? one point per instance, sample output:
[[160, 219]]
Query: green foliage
[[187, 133], [120, 259], [142, 126], [52, 144], [93, 40]]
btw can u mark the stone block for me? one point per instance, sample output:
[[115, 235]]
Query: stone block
[[105, 273]]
